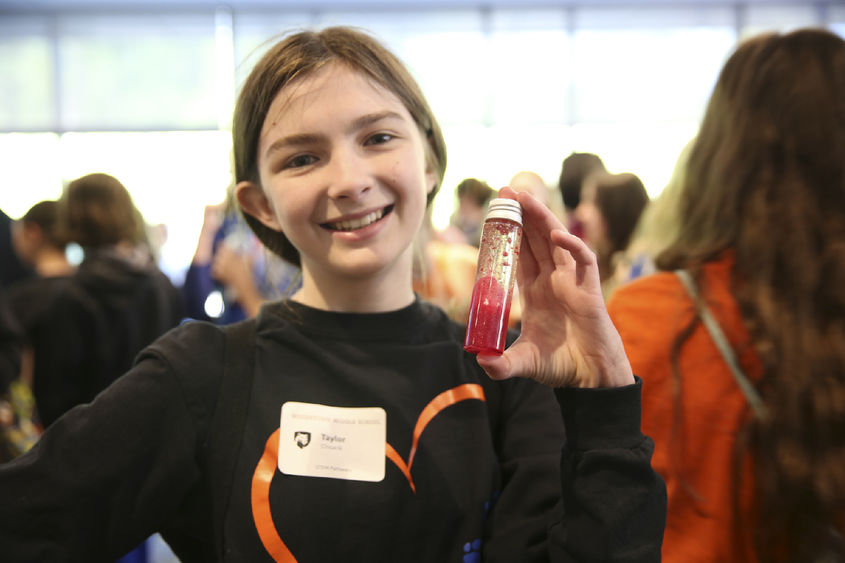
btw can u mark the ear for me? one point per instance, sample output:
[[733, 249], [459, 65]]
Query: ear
[[32, 231], [430, 179], [253, 200]]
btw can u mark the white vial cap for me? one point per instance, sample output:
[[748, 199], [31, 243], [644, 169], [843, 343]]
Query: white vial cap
[[504, 208]]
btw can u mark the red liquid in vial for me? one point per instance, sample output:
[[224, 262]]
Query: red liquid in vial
[[488, 314]]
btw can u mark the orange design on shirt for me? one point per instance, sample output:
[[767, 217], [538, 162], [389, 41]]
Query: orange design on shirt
[[266, 468]]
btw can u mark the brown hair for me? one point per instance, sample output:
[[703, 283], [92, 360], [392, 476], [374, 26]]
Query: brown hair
[[573, 171], [98, 210], [45, 214], [477, 190], [298, 56], [621, 199], [766, 178]]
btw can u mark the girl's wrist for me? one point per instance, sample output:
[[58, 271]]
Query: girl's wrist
[[618, 374]]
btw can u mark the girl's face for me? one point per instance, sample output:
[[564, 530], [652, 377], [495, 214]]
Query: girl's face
[[588, 213], [343, 175]]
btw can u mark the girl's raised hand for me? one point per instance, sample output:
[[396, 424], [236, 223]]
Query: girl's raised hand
[[567, 338]]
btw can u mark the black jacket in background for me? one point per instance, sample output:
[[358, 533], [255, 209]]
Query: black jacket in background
[[95, 324], [11, 341]]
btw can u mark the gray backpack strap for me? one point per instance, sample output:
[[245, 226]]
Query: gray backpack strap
[[229, 418], [712, 325]]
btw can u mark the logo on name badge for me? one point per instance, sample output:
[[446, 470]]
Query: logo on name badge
[[302, 439]]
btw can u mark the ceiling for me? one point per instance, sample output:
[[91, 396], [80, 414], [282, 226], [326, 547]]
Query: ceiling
[[119, 5]]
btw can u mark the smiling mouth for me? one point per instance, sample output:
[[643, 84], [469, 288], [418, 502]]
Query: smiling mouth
[[359, 223]]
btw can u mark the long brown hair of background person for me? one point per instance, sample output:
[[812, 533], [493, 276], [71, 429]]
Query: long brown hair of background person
[[766, 177]]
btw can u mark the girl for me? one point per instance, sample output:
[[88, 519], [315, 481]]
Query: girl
[[610, 207], [349, 424], [753, 455]]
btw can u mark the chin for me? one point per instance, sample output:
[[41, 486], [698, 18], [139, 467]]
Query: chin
[[365, 263]]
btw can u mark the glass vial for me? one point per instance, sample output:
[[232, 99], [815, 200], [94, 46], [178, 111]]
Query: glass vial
[[498, 254]]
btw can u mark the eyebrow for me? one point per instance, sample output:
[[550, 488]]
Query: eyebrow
[[292, 141], [371, 118], [310, 138]]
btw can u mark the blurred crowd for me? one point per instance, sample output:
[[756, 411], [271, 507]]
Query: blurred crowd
[[79, 323], [749, 235]]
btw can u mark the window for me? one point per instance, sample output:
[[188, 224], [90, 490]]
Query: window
[[27, 75], [787, 17], [123, 72], [514, 88], [648, 64], [530, 67]]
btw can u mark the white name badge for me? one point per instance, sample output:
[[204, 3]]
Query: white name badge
[[334, 442]]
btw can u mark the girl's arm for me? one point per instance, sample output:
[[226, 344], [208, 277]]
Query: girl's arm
[[613, 504], [597, 499], [108, 474]]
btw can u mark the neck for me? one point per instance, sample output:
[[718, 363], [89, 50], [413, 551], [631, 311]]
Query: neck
[[388, 290], [51, 264]]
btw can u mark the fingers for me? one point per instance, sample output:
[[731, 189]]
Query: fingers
[[537, 213], [533, 211], [528, 267], [535, 235], [576, 247], [539, 223], [547, 243], [508, 192], [496, 367]]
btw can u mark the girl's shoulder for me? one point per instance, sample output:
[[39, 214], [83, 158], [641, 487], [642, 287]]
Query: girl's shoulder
[[195, 353], [192, 338]]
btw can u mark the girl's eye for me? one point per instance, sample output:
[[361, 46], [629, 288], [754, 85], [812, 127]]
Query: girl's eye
[[300, 160], [378, 139]]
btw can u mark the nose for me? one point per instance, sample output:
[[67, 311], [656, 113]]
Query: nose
[[349, 174], [583, 211]]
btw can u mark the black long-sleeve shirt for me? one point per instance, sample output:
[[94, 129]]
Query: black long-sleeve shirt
[[490, 478]]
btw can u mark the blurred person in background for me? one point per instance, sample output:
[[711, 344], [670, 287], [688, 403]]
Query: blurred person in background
[[231, 274], [533, 183], [609, 208], [11, 267], [465, 225], [117, 301], [11, 344], [657, 226], [11, 334], [39, 244], [744, 382], [573, 171], [11, 349], [444, 270]]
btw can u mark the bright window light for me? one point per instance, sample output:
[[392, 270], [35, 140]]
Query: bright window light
[[514, 89], [31, 170]]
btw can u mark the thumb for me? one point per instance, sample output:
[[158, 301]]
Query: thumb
[[497, 367]]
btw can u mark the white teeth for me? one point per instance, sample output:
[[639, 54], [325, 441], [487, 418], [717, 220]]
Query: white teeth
[[353, 224]]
